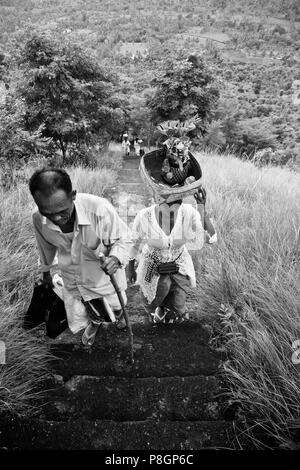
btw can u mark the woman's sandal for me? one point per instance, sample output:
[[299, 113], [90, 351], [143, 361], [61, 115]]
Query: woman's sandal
[[179, 319], [176, 319], [156, 317]]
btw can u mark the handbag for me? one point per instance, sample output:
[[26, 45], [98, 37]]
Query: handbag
[[46, 306], [169, 267]]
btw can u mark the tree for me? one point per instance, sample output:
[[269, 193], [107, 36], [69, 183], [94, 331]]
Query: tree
[[16, 144], [139, 117], [184, 88], [249, 135], [67, 92]]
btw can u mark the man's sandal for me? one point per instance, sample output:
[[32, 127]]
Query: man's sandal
[[120, 320], [89, 335]]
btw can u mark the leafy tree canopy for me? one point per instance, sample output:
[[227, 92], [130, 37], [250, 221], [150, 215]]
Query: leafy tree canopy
[[67, 92], [184, 88], [17, 145]]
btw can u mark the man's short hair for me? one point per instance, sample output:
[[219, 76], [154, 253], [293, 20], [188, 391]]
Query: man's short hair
[[49, 180]]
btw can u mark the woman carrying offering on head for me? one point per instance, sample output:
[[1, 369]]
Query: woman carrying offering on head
[[165, 270]]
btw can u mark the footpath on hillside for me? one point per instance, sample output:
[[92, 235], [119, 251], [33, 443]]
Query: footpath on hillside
[[170, 398]]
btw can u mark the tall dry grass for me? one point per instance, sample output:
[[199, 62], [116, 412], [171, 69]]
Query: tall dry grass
[[27, 358], [251, 281]]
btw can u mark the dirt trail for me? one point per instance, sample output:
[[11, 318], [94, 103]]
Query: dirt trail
[[169, 399]]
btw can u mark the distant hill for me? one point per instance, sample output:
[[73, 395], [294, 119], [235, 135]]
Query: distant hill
[[252, 46]]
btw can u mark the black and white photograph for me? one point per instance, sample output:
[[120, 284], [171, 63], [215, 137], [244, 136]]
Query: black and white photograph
[[150, 228]]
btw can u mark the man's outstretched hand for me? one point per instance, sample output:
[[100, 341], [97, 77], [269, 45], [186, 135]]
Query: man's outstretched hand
[[200, 195], [110, 265]]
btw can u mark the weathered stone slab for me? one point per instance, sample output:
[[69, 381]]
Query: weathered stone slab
[[132, 399], [161, 351], [110, 435]]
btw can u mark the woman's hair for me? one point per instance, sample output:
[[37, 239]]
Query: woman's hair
[[49, 180]]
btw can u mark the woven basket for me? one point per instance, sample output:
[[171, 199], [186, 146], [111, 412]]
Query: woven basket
[[150, 168], [178, 174]]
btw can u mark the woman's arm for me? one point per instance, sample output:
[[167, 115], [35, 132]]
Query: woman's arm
[[137, 234]]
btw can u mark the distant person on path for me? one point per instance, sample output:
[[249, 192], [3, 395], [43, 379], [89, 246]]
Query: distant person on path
[[131, 146], [142, 150], [165, 269], [125, 145], [137, 146], [76, 228]]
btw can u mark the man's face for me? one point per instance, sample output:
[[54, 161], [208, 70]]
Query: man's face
[[58, 207]]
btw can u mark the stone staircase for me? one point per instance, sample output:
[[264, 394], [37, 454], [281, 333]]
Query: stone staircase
[[170, 398]]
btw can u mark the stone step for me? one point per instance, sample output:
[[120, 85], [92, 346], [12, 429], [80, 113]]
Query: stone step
[[131, 399], [20, 433], [135, 182], [130, 163], [129, 173], [159, 351], [124, 170], [132, 188], [128, 204], [126, 179], [122, 199]]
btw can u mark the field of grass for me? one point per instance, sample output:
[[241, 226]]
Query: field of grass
[[27, 356], [250, 282], [248, 285]]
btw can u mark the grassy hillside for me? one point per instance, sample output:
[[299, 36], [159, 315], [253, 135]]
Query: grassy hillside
[[250, 281]]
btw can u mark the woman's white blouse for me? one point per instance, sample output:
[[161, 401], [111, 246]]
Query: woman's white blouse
[[187, 234]]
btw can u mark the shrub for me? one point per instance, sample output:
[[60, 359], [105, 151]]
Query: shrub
[[92, 181], [270, 157], [250, 135]]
